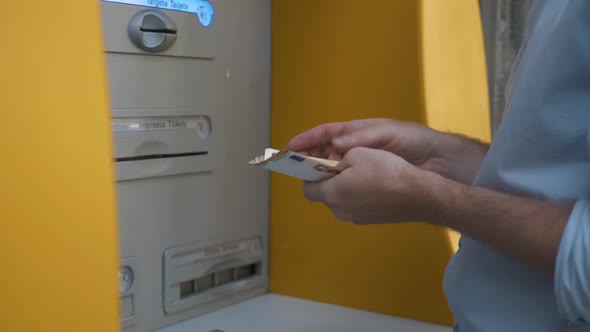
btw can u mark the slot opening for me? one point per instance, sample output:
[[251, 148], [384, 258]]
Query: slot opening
[[219, 278], [187, 288], [156, 30], [161, 156]]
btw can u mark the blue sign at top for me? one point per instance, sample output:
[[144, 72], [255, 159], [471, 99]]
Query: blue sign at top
[[202, 8]]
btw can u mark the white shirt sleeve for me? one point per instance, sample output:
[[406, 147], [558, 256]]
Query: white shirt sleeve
[[572, 270]]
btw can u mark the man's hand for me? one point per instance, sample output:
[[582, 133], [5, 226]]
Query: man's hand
[[455, 157], [375, 186], [412, 141]]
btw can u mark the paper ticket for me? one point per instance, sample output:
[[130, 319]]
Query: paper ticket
[[297, 165]]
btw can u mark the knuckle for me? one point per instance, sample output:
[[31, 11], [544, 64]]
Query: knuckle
[[331, 200], [356, 152], [340, 215], [310, 192]]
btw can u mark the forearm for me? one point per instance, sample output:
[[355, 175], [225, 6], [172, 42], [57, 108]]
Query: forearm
[[458, 157], [526, 229]]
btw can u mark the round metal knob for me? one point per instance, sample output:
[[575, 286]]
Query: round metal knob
[[152, 31]]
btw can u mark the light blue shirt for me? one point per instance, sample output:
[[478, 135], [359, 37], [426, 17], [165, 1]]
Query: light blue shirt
[[541, 150]]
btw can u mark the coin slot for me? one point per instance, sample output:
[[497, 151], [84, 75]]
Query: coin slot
[[187, 288], [205, 282], [224, 277], [246, 271]]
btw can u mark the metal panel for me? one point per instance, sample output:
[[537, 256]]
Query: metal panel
[[222, 71]]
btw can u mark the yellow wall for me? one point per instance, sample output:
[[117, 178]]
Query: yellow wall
[[337, 60], [455, 93], [58, 236]]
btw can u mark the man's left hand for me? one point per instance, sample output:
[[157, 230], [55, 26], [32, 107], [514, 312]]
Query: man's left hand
[[374, 187]]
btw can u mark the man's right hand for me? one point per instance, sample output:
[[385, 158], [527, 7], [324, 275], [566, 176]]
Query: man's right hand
[[455, 157]]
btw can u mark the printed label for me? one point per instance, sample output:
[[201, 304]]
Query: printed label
[[202, 8], [199, 123]]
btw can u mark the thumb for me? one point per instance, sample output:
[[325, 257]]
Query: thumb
[[372, 137], [316, 191], [352, 157]]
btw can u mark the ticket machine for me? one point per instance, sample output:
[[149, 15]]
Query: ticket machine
[[189, 95]]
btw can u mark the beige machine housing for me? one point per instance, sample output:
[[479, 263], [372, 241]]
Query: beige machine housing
[[193, 215]]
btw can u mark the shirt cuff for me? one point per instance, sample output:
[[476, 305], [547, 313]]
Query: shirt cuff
[[572, 268]]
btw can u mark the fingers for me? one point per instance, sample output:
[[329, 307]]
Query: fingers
[[317, 142], [371, 137], [318, 192], [335, 156], [354, 156], [314, 191]]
